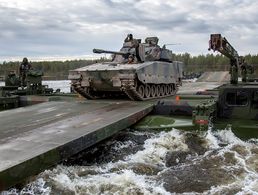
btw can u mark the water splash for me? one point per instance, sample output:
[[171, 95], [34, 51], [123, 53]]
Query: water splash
[[212, 162]]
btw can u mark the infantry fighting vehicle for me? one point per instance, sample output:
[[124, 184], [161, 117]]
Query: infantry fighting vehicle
[[139, 70]]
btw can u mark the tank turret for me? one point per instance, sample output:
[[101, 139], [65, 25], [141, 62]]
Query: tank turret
[[147, 51], [154, 52]]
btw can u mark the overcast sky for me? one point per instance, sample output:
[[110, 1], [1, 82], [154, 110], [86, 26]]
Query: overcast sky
[[37, 28]]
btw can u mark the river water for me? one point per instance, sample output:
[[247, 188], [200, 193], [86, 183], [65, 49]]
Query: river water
[[171, 162], [149, 162], [63, 85]]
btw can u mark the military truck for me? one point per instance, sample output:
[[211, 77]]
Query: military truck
[[140, 71]]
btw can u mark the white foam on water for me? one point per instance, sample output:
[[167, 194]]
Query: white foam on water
[[34, 188], [212, 141], [241, 186], [155, 149], [62, 180], [119, 177], [120, 145], [227, 136], [247, 160], [142, 133], [122, 182]]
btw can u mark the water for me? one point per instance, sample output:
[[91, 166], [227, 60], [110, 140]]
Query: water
[[63, 85], [212, 162]]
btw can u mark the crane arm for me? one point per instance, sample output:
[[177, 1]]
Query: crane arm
[[220, 44]]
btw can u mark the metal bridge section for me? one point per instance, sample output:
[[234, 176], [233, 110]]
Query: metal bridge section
[[37, 137]]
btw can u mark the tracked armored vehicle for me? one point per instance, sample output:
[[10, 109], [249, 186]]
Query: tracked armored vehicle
[[139, 70]]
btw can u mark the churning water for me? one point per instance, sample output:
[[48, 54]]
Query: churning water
[[173, 162]]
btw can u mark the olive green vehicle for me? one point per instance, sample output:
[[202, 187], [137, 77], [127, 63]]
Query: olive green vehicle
[[237, 102], [31, 86], [139, 70], [9, 94]]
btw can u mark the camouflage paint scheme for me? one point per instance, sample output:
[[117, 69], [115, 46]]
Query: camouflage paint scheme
[[151, 73], [108, 76]]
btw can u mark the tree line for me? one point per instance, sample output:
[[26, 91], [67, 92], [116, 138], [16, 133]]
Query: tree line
[[51, 69], [211, 62], [200, 63]]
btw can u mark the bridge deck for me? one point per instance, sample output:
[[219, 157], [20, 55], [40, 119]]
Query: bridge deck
[[36, 137]]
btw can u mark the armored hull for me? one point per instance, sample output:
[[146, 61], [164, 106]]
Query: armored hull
[[139, 81], [139, 70]]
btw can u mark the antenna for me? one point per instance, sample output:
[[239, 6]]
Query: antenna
[[173, 44]]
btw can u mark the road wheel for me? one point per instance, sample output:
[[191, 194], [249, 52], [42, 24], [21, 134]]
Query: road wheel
[[162, 90], [167, 89], [141, 90], [147, 91], [173, 89], [87, 90], [158, 90], [153, 91]]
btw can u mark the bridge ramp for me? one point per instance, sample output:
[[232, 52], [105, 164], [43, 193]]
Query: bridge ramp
[[215, 76]]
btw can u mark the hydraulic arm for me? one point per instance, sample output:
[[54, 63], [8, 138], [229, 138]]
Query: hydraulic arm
[[220, 44]]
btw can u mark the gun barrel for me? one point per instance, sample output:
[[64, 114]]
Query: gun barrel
[[100, 51]]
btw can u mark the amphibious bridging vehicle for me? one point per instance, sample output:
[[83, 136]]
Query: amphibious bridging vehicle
[[14, 88], [139, 70], [236, 101]]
